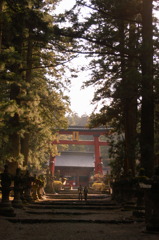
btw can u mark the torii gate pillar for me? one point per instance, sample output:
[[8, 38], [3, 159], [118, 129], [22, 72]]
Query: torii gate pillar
[[98, 162], [52, 165]]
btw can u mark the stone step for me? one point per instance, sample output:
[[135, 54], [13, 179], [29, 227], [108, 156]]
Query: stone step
[[35, 221], [75, 191], [75, 196]]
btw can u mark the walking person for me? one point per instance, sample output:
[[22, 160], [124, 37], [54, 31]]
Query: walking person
[[80, 191], [85, 193]]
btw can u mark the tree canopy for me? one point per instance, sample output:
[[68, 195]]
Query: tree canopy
[[33, 105], [119, 39]]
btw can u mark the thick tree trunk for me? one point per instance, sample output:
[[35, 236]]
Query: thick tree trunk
[[14, 124], [129, 100], [147, 110], [25, 148], [1, 12], [122, 97], [130, 118], [26, 137], [131, 103]]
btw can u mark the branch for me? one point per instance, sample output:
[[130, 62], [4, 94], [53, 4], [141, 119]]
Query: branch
[[112, 16]]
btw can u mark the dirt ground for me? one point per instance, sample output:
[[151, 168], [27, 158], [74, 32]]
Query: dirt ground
[[73, 220]]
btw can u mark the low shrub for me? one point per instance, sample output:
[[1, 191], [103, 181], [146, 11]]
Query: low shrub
[[57, 185], [98, 186]]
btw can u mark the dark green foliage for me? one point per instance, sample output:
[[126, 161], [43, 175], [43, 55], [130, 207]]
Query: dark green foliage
[[32, 105], [112, 38]]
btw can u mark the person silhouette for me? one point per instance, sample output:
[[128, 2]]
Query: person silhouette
[[85, 193], [80, 193]]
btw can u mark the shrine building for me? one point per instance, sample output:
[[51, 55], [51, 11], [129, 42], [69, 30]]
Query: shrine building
[[75, 166]]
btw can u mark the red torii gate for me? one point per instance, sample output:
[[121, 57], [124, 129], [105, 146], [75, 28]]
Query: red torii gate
[[76, 131]]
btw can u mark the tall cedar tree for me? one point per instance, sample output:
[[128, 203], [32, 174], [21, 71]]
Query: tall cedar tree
[[113, 34], [110, 35], [147, 110], [31, 106]]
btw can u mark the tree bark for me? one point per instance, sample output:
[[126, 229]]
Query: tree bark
[[1, 12], [131, 102], [128, 98], [147, 109], [14, 124], [26, 137]]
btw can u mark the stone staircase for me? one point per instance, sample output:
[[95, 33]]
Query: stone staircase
[[73, 194]]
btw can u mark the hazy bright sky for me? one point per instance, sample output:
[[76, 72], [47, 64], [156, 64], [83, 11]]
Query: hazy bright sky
[[80, 98]]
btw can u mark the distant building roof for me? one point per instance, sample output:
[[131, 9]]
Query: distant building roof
[[75, 159], [85, 130]]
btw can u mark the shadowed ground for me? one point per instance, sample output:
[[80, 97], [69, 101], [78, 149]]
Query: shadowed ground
[[62, 217]]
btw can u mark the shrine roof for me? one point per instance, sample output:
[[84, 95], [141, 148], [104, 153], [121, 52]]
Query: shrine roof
[[75, 159]]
